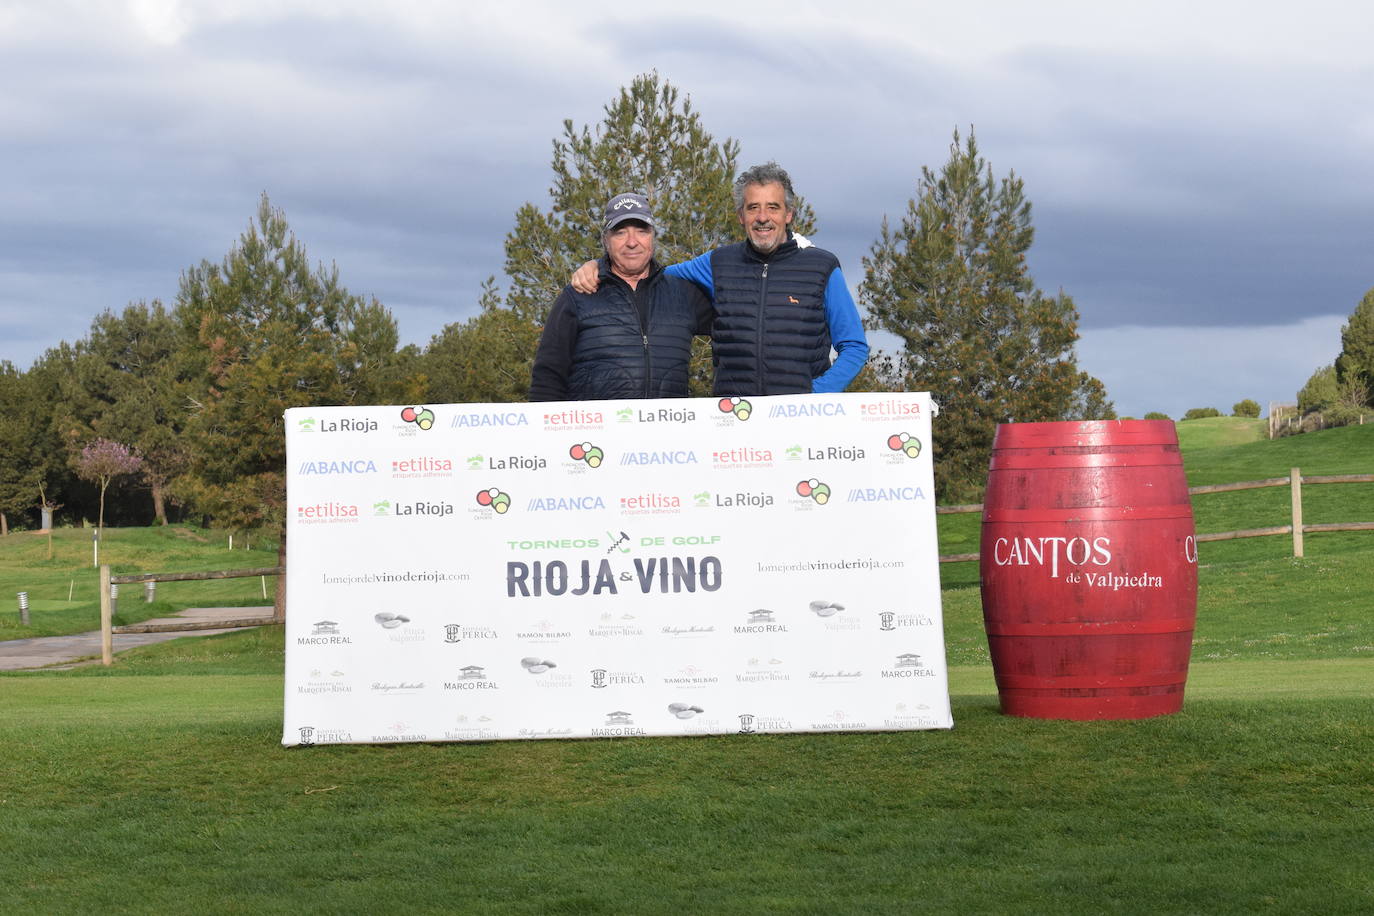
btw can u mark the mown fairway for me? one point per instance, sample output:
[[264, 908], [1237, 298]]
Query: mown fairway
[[160, 786]]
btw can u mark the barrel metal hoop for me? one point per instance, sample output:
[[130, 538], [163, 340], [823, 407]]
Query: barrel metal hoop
[[1090, 629]]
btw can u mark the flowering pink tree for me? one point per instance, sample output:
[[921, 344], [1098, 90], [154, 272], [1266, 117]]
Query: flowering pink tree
[[101, 462]]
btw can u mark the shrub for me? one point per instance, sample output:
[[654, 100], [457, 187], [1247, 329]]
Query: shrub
[[1197, 413], [1246, 408], [1156, 415]]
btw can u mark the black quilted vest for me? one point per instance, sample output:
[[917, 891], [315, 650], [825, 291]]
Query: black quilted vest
[[770, 334], [623, 352]]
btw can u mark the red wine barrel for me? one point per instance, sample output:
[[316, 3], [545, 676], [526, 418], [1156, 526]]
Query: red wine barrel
[[1088, 565]]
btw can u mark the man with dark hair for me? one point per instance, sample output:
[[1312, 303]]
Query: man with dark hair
[[780, 305], [631, 337]]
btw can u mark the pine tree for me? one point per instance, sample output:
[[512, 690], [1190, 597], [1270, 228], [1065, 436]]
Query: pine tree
[[1355, 365], [952, 283], [269, 333]]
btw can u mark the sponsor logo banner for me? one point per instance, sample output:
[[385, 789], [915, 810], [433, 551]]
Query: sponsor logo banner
[[479, 572]]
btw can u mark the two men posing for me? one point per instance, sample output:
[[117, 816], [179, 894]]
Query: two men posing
[[774, 308]]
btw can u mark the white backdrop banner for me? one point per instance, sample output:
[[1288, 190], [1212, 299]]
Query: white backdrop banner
[[473, 572]]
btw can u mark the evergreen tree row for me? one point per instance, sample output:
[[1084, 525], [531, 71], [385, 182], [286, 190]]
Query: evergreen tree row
[[197, 391]]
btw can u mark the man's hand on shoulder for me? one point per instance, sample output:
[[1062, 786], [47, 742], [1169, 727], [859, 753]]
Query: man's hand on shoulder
[[586, 278]]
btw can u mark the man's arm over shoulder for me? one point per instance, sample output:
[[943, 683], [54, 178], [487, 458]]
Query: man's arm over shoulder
[[554, 358], [846, 336], [698, 270]]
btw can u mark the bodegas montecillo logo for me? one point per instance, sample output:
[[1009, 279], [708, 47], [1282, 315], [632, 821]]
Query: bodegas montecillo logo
[[905, 443], [422, 417], [815, 490], [587, 453], [739, 408], [494, 499]]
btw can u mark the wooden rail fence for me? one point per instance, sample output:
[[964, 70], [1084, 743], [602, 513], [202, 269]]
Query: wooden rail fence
[[107, 582], [1295, 480]]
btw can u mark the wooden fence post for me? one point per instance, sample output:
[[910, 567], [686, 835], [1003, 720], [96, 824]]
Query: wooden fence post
[[1295, 485], [106, 621]]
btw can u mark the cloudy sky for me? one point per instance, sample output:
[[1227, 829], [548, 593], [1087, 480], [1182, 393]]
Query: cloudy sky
[[1200, 171]]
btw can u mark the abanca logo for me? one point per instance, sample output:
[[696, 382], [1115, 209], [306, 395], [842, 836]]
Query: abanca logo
[[737, 406], [586, 452], [422, 417], [813, 488], [323, 468], [905, 443], [495, 500]]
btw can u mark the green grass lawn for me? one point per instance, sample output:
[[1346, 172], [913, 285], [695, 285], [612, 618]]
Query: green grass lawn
[[159, 785], [1215, 431], [64, 592]]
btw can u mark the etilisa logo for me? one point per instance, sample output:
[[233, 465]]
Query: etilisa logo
[[905, 443], [814, 490], [327, 513], [739, 408], [587, 453], [422, 417], [494, 499]]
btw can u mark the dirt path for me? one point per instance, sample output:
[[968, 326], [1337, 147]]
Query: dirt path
[[80, 648]]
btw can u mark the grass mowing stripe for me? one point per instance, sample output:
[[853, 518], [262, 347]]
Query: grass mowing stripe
[[1232, 805]]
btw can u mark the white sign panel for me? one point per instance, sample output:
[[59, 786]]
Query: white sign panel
[[474, 572]]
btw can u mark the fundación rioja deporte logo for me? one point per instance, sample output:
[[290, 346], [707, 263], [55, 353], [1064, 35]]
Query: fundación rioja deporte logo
[[737, 406], [422, 417], [905, 443], [494, 499], [814, 489], [587, 453]]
